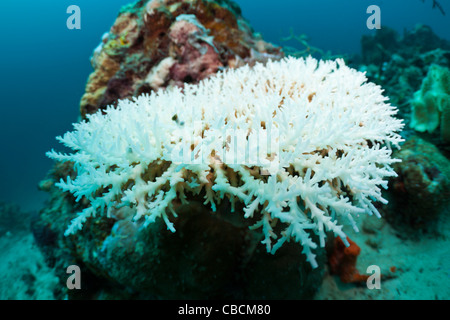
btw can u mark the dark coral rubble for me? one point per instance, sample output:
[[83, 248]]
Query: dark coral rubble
[[155, 44]]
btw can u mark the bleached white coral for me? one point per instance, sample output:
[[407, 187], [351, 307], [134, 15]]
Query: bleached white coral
[[326, 135]]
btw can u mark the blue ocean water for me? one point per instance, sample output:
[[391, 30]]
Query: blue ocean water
[[44, 65]]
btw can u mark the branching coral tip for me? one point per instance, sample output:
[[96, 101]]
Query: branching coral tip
[[303, 145]]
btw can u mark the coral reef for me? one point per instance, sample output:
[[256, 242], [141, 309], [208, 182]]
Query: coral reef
[[132, 186], [150, 154], [422, 188], [156, 45], [154, 228], [414, 70], [437, 5], [431, 104], [399, 63], [160, 43]]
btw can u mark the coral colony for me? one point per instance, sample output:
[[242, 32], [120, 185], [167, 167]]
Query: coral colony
[[300, 143], [431, 104]]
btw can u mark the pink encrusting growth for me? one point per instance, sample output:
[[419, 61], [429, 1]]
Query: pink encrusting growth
[[326, 163]]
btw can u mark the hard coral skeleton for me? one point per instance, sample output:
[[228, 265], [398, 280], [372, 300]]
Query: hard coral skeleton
[[323, 134]]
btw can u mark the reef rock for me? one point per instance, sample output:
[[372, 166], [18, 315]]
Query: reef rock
[[422, 188], [156, 44], [400, 63], [159, 43]]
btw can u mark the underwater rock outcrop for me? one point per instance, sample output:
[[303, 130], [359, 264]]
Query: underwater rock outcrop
[[160, 43], [421, 190]]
